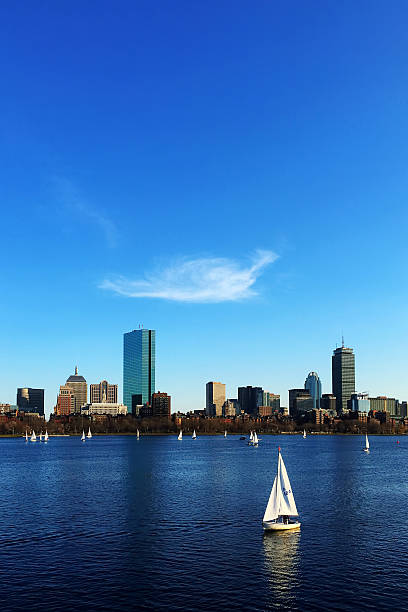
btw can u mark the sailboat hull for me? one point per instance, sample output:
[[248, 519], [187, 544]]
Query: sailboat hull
[[278, 526]]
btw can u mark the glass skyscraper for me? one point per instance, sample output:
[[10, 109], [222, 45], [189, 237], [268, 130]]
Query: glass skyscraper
[[314, 386], [139, 356]]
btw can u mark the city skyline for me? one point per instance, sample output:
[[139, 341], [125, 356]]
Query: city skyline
[[259, 126], [142, 345]]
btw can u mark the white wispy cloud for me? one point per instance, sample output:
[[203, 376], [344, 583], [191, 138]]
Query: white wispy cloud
[[205, 279], [74, 202]]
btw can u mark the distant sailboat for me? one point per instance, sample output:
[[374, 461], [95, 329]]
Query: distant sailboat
[[281, 504], [41, 437], [33, 437], [367, 445], [225, 433], [180, 436], [137, 434], [255, 440], [304, 433], [194, 436], [89, 434], [251, 437], [83, 436], [26, 436], [46, 436]]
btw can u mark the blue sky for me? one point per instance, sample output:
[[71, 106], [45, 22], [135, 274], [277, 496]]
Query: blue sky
[[231, 174]]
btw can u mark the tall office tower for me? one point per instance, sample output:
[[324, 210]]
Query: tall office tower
[[161, 405], [343, 377], [250, 399], [214, 398], [314, 386], [139, 365], [103, 392], [79, 389], [300, 401], [65, 401], [272, 400], [30, 400]]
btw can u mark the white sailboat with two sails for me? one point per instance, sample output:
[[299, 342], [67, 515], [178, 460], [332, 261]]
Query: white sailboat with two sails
[[281, 511]]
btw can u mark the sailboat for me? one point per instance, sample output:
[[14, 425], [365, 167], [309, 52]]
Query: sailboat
[[26, 436], [304, 433], [367, 445], [251, 438], [255, 440], [83, 436], [225, 433], [33, 437], [180, 436], [281, 504], [46, 436], [137, 434], [41, 437], [89, 434], [194, 436]]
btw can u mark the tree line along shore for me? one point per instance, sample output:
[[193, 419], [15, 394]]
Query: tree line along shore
[[74, 425]]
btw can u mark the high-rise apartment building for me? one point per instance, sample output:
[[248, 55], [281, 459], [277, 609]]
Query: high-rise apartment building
[[214, 398], [79, 388], [250, 399], [139, 365], [103, 392], [161, 405], [314, 386], [343, 377], [30, 400], [65, 401]]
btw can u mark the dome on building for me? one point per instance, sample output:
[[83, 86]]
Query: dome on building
[[75, 378]]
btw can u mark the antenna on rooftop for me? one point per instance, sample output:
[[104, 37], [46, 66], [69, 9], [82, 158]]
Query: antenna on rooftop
[[342, 341]]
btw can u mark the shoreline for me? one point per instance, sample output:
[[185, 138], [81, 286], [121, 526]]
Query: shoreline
[[187, 435]]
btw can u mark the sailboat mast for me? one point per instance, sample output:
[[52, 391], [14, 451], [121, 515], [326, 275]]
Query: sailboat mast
[[278, 481]]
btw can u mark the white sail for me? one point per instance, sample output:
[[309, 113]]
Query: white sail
[[83, 436], [367, 444], [281, 500], [41, 437], [304, 433], [255, 438], [194, 435], [33, 437], [251, 437], [288, 505], [137, 434], [272, 508], [89, 435], [46, 436], [26, 437], [225, 433], [180, 436]]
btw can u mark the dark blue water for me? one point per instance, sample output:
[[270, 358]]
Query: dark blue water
[[157, 524]]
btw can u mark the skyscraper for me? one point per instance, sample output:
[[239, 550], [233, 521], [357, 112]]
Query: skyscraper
[[314, 386], [343, 377], [30, 400], [300, 401], [103, 392], [77, 383], [139, 367], [214, 398], [250, 398]]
